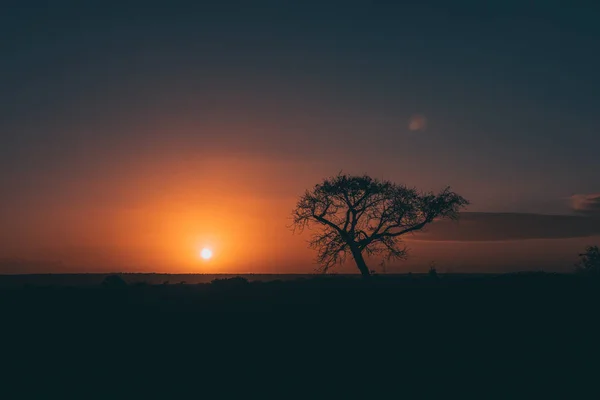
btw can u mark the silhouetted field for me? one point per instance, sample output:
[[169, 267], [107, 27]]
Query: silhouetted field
[[132, 278], [525, 293], [488, 325], [16, 280]]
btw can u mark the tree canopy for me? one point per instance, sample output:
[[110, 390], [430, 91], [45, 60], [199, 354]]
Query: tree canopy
[[359, 215]]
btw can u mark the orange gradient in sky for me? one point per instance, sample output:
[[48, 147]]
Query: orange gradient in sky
[[156, 215], [160, 217]]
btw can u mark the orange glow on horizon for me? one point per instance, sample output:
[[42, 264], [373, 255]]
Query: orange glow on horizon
[[157, 216]]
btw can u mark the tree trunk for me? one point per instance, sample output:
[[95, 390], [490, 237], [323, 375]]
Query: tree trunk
[[360, 263]]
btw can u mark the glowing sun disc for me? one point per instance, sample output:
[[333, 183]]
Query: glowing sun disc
[[206, 253]]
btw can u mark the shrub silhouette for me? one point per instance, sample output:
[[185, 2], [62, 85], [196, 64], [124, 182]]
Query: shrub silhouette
[[589, 262], [230, 283], [433, 272], [114, 282]]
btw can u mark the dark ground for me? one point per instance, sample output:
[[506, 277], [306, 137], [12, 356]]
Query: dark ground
[[517, 334]]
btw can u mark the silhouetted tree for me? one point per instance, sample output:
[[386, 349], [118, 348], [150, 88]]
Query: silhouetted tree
[[589, 262], [360, 215]]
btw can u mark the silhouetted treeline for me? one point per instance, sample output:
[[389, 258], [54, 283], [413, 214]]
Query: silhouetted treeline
[[411, 293]]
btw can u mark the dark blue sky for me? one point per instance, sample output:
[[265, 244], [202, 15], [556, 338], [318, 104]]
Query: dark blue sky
[[510, 91], [107, 92]]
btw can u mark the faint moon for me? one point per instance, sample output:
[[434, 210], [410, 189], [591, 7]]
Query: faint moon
[[417, 123]]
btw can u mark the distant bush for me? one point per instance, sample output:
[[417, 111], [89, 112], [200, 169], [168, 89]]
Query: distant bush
[[230, 283], [114, 281], [589, 262], [433, 271]]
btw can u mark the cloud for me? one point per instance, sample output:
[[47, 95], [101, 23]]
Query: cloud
[[510, 226], [586, 204], [417, 123]]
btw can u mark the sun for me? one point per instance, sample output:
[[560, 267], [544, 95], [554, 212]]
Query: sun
[[206, 253]]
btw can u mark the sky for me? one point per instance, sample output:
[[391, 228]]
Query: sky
[[133, 134]]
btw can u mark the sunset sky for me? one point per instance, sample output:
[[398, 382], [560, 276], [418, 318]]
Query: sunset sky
[[132, 135]]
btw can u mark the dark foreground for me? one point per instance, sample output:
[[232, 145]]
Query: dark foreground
[[400, 296], [529, 330], [524, 295]]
